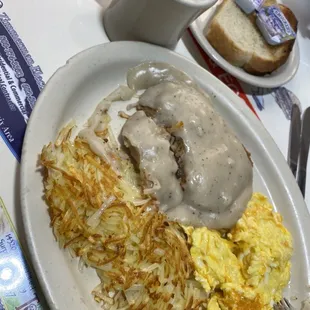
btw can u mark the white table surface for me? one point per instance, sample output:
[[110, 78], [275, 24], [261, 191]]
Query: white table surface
[[55, 30]]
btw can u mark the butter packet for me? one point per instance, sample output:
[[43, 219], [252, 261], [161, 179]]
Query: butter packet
[[274, 26], [249, 6], [17, 291]]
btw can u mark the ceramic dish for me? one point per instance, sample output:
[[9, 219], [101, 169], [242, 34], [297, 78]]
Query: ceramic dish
[[277, 78], [73, 93]]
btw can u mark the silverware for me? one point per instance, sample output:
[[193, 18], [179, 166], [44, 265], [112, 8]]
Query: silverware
[[283, 304], [304, 151], [294, 141], [299, 142]]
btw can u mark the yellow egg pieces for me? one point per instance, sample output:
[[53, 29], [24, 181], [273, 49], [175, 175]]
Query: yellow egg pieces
[[248, 267], [264, 248]]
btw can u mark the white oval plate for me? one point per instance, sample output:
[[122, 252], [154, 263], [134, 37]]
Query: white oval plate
[[277, 78], [73, 93]]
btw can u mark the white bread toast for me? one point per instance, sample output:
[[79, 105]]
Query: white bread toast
[[237, 38]]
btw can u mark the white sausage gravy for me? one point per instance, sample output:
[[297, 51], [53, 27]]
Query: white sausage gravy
[[217, 172]]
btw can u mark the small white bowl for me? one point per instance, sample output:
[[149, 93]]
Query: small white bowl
[[277, 78]]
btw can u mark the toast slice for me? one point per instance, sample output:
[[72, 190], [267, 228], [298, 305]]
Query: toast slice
[[237, 38]]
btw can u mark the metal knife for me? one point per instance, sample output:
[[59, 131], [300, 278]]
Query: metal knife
[[304, 151], [294, 139]]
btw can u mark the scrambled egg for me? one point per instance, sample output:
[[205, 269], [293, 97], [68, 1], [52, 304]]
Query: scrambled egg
[[248, 267]]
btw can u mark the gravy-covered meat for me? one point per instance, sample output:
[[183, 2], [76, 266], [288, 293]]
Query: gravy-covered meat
[[149, 146], [218, 172]]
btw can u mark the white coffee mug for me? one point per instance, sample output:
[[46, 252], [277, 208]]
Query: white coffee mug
[[160, 22]]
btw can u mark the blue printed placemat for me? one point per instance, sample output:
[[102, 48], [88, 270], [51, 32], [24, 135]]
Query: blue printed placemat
[[20, 84]]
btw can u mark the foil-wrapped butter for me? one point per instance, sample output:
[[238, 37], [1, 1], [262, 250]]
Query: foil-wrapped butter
[[249, 6], [274, 26]]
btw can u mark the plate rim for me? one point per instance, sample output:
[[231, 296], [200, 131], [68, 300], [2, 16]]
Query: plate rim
[[260, 81], [245, 113]]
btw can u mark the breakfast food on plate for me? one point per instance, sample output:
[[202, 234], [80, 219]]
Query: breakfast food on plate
[[141, 258], [111, 210], [236, 37], [149, 146], [250, 266], [217, 171]]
